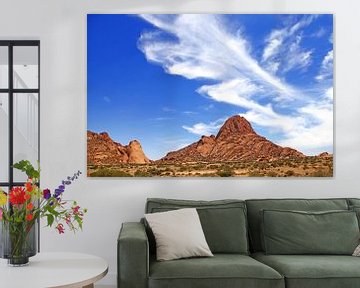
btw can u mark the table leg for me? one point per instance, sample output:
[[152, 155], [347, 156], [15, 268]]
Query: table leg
[[89, 286]]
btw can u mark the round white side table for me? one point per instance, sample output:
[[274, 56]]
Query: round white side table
[[50, 270]]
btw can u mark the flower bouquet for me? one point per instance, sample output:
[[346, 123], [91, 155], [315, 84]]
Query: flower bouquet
[[21, 208]]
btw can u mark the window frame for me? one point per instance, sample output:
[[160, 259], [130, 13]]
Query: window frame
[[10, 91]]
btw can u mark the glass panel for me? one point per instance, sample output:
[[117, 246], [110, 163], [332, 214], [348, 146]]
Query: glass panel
[[4, 137], [26, 67], [5, 189], [26, 132], [4, 67]]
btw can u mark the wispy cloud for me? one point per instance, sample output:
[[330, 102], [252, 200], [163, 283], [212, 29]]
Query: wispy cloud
[[107, 99], [283, 49], [205, 129], [326, 69], [319, 33], [190, 112], [162, 118], [208, 107], [203, 47]]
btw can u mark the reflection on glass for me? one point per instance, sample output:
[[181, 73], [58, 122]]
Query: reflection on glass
[[26, 132], [4, 67], [26, 74], [4, 137]]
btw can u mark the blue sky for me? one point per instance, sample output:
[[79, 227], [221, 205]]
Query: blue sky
[[165, 80]]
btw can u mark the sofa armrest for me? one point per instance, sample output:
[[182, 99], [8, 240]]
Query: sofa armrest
[[133, 256]]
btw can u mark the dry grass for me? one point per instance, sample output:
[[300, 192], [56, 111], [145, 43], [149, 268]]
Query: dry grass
[[297, 167]]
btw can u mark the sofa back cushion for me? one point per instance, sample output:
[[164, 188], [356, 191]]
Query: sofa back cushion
[[255, 206], [223, 221], [298, 232]]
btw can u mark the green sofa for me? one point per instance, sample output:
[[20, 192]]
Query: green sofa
[[233, 230]]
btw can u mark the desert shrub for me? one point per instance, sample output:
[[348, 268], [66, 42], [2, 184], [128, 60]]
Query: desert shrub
[[104, 172], [289, 173], [208, 175], [212, 166], [255, 173], [198, 167], [154, 172], [183, 168], [322, 173], [226, 172], [141, 173]]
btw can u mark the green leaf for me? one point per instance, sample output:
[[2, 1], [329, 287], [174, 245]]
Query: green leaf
[[50, 219], [26, 167]]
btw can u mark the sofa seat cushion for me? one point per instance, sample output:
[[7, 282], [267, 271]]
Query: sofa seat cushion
[[314, 271], [222, 270]]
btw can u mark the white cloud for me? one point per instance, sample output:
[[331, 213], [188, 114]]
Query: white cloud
[[202, 47], [274, 44], [283, 48], [208, 107], [312, 138], [310, 132], [329, 93], [319, 33], [205, 129], [190, 112], [296, 56], [205, 49], [326, 69]]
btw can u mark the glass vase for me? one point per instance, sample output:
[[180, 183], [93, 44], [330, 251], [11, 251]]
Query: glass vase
[[18, 242]]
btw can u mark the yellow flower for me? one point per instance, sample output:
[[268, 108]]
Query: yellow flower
[[3, 198]]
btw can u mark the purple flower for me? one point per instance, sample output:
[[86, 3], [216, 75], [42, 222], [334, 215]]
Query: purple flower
[[68, 181], [58, 192], [46, 194]]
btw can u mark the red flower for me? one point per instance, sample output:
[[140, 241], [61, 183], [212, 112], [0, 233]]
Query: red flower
[[27, 196], [17, 196], [60, 228], [29, 186], [29, 217], [29, 206]]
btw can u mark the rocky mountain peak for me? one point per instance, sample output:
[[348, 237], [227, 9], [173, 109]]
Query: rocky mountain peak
[[235, 125], [235, 141]]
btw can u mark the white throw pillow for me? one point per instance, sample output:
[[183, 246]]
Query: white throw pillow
[[178, 234], [357, 251]]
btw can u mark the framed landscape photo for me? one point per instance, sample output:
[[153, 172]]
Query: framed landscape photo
[[210, 95]]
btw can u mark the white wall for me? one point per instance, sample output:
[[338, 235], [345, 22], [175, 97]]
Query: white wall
[[61, 27]]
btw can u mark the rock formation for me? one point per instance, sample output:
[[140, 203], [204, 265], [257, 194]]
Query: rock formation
[[102, 150], [235, 141]]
